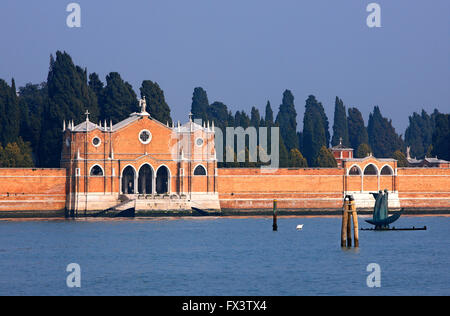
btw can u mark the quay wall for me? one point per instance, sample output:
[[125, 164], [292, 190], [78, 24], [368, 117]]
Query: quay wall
[[32, 192]]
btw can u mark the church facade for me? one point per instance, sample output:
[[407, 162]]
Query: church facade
[[153, 166]]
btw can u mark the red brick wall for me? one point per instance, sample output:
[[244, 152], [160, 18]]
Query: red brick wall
[[293, 188], [424, 187], [45, 189], [32, 189]]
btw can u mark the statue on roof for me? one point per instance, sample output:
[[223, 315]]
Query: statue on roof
[[142, 104]]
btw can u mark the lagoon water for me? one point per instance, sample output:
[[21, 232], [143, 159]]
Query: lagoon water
[[221, 256]]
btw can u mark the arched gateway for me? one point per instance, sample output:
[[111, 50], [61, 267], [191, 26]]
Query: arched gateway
[[145, 180], [128, 177], [162, 180]]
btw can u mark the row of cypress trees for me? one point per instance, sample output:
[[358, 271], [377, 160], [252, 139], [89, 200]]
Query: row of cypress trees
[[31, 120]]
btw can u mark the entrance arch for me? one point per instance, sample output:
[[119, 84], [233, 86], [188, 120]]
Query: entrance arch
[[145, 180], [128, 177], [162, 180]]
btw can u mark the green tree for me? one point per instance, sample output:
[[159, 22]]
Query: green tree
[[255, 117], [32, 100], [68, 98], [401, 158], [200, 104], [96, 86], [340, 125], [363, 151], [241, 119], [315, 127], [441, 137], [419, 133], [118, 99], [325, 158], [283, 154], [156, 103], [9, 112], [357, 132], [16, 155], [287, 121], [296, 159], [268, 119], [383, 139]]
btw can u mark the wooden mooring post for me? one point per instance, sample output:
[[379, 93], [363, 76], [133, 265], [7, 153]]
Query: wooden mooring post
[[349, 212], [274, 225]]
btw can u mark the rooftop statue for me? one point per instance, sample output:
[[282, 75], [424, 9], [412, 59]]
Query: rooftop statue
[[381, 218]]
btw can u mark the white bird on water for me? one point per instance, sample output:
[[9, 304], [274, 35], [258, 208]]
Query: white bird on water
[[300, 227]]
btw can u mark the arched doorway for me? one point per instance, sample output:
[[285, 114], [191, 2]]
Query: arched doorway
[[128, 177], [145, 180], [162, 180]]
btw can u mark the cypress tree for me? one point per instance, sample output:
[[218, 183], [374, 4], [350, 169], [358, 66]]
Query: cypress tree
[[357, 132], [9, 113], [419, 133], [287, 121], [32, 99], [200, 104], [268, 115], [96, 85], [118, 99], [241, 119], [383, 139], [255, 117], [219, 114], [315, 125], [340, 125], [156, 103], [441, 137], [68, 98]]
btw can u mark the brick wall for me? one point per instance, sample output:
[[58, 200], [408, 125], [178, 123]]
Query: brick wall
[[293, 188], [424, 187], [41, 190]]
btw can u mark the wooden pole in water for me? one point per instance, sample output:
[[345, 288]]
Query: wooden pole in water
[[349, 227], [355, 222], [344, 223], [275, 226]]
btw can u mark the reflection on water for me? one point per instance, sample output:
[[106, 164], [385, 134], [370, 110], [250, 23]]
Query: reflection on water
[[220, 256]]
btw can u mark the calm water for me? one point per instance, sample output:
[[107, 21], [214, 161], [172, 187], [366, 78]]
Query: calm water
[[221, 256]]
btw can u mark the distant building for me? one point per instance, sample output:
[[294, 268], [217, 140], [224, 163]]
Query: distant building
[[427, 162], [340, 152]]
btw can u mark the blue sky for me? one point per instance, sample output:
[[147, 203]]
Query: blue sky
[[245, 52]]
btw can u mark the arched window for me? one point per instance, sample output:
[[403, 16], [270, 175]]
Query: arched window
[[354, 171], [199, 171], [370, 170], [386, 171], [96, 171]]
